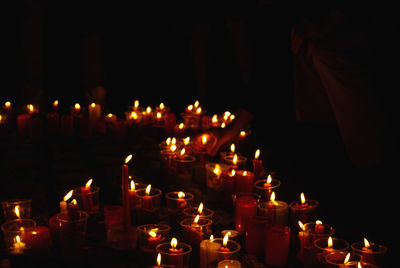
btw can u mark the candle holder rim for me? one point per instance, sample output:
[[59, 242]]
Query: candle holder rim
[[93, 190], [16, 201], [188, 209], [278, 183], [208, 222], [344, 252], [261, 204], [157, 192], [316, 241], [237, 245], [312, 203], [241, 158], [382, 249], [182, 244], [5, 224], [84, 216], [190, 195], [142, 227], [188, 158], [310, 224]]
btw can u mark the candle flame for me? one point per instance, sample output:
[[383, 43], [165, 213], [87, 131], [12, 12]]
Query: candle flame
[[190, 107], [231, 117], [198, 110], [16, 211], [269, 178], [359, 265], [128, 158], [214, 119], [7, 104], [196, 219], [272, 197], [74, 202], [217, 170], [93, 105], [232, 147], [186, 140], [182, 151], [196, 104], [233, 172], [257, 154], [110, 115], [55, 103], [172, 148], [245, 173], [152, 234], [346, 260], [148, 109], [174, 242], [181, 125], [225, 240], [136, 104], [223, 125], [211, 238], [173, 140], [330, 242], [242, 134], [204, 139], [235, 159], [302, 198], [77, 106], [318, 222], [148, 189], [181, 195], [30, 107], [302, 227], [159, 259], [18, 239], [200, 208], [366, 243], [134, 115], [162, 106], [89, 182], [168, 141], [132, 185], [68, 195]]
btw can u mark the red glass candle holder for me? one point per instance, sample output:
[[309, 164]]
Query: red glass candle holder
[[176, 204], [112, 215], [88, 200], [213, 176], [194, 211], [322, 249], [16, 227], [255, 236], [245, 208], [265, 189], [180, 258], [217, 251], [72, 232], [150, 235], [184, 169], [375, 254], [148, 205], [193, 232], [240, 164], [277, 240], [303, 212], [337, 259]]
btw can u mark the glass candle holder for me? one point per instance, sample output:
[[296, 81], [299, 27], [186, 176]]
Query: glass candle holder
[[275, 211], [234, 235], [184, 169], [112, 215], [16, 209], [337, 259], [375, 254], [354, 264], [322, 249], [244, 181], [72, 232], [191, 120], [133, 197], [240, 164], [193, 232], [194, 211], [88, 199], [17, 227], [265, 188], [213, 176], [255, 235], [148, 205], [229, 264], [245, 208], [150, 235], [216, 251], [277, 240], [167, 159], [303, 212], [179, 257], [176, 204]]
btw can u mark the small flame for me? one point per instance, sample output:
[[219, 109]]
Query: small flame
[[159, 259], [217, 170], [30, 107], [359, 265], [55, 103], [302, 198], [301, 225], [225, 240], [162, 106], [233, 172], [330, 242], [272, 197], [110, 115], [235, 159], [182, 152], [128, 158], [93, 105], [190, 108], [257, 154], [168, 141], [181, 195], [174, 242], [16, 211], [196, 104], [186, 140], [181, 125], [172, 148], [173, 140], [152, 234], [318, 222], [346, 260], [74, 202], [242, 134], [89, 182], [132, 185], [223, 125], [148, 189], [214, 119], [7, 104], [269, 179], [134, 115], [231, 117], [68, 195], [204, 139], [366, 243], [136, 104], [198, 110], [77, 106], [148, 109], [232, 147], [245, 173], [211, 237], [196, 219], [18, 239], [200, 208]]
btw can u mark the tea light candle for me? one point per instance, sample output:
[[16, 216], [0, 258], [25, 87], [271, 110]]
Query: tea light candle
[[94, 111], [7, 106], [229, 264], [110, 118], [244, 181], [370, 252], [18, 246], [265, 187], [277, 240], [194, 230], [276, 211], [178, 201], [38, 237], [303, 209], [175, 257], [200, 210]]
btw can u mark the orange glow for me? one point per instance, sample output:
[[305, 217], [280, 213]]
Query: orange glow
[[89, 182], [68, 195], [174, 242], [257, 154], [30, 108], [200, 208], [225, 240], [74, 202], [128, 158], [148, 189], [302, 198], [181, 195], [132, 188]]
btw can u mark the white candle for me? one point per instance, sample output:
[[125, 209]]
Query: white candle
[[229, 264], [208, 252]]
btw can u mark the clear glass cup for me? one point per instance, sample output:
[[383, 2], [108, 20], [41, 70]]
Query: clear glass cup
[[277, 212], [213, 176], [336, 259], [321, 249], [88, 201], [148, 205], [16, 209], [265, 190], [193, 232], [194, 211], [184, 169], [17, 227], [303, 213], [72, 232], [229, 264], [176, 204], [150, 235], [180, 258], [375, 255], [240, 164], [217, 252]]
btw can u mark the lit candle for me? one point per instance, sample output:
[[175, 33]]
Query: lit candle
[[303, 242], [94, 111], [154, 239], [87, 201], [303, 210], [110, 118], [72, 208], [175, 256], [244, 181], [228, 184], [136, 105], [276, 211], [63, 203], [125, 193], [38, 237], [147, 201], [8, 106], [132, 195], [55, 105], [367, 253], [18, 246], [258, 167], [208, 250], [76, 110], [53, 119]]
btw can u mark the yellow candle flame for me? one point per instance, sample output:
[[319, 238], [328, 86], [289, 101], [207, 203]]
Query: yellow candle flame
[[359, 265], [132, 185], [242, 133], [7, 104], [89, 182], [181, 195], [74, 202], [217, 170], [148, 189], [133, 115], [18, 239], [211, 238], [225, 240], [232, 147], [77, 106], [269, 178], [196, 219], [173, 141], [233, 172], [330, 242], [128, 158], [168, 141], [30, 107], [159, 115], [214, 119], [172, 148], [200, 208], [93, 105], [196, 104], [190, 108], [198, 110], [204, 139], [68, 195], [181, 126], [136, 104], [301, 225], [257, 154], [318, 222], [55, 104], [159, 259], [302, 198], [148, 109], [110, 115], [16, 211], [223, 125], [162, 106], [346, 260], [152, 234], [186, 140], [272, 197], [182, 152], [235, 159], [174, 242], [245, 173], [366, 243], [231, 117]]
